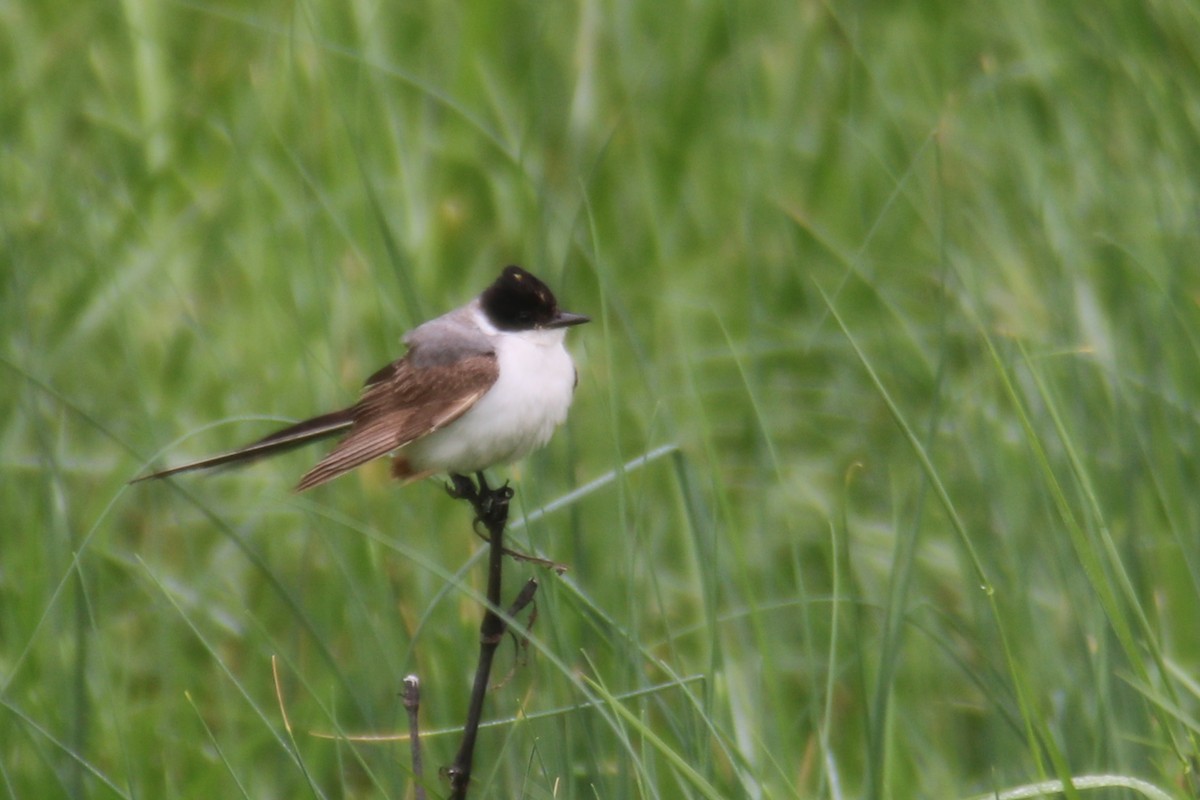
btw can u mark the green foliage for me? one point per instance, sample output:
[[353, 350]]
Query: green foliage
[[900, 298]]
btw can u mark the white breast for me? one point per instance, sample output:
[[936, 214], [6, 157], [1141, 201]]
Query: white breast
[[516, 416]]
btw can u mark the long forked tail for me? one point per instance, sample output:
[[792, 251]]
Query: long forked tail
[[291, 437]]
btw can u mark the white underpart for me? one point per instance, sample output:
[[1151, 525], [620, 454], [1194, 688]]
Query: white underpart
[[516, 416]]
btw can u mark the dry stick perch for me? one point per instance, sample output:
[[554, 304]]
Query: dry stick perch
[[491, 511]]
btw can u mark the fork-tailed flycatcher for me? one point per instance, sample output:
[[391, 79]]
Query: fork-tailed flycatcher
[[482, 385]]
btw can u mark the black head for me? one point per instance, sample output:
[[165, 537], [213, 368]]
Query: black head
[[517, 301]]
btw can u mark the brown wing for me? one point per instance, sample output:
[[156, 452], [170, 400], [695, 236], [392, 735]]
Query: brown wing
[[402, 403]]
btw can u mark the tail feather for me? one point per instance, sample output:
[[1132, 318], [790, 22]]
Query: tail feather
[[281, 441]]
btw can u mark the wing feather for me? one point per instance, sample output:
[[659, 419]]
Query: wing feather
[[402, 403]]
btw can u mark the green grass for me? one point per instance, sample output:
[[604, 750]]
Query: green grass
[[901, 298]]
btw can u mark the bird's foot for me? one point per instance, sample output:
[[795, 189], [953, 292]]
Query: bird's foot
[[490, 504]]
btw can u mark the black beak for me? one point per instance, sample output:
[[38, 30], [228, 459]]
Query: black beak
[[565, 319]]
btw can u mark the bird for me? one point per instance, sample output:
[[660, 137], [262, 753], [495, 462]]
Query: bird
[[480, 386]]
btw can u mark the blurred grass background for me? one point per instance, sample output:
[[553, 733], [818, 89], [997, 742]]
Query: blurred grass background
[[902, 298]]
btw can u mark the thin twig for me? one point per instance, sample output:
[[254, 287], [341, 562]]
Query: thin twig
[[412, 702], [520, 643], [491, 511]]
